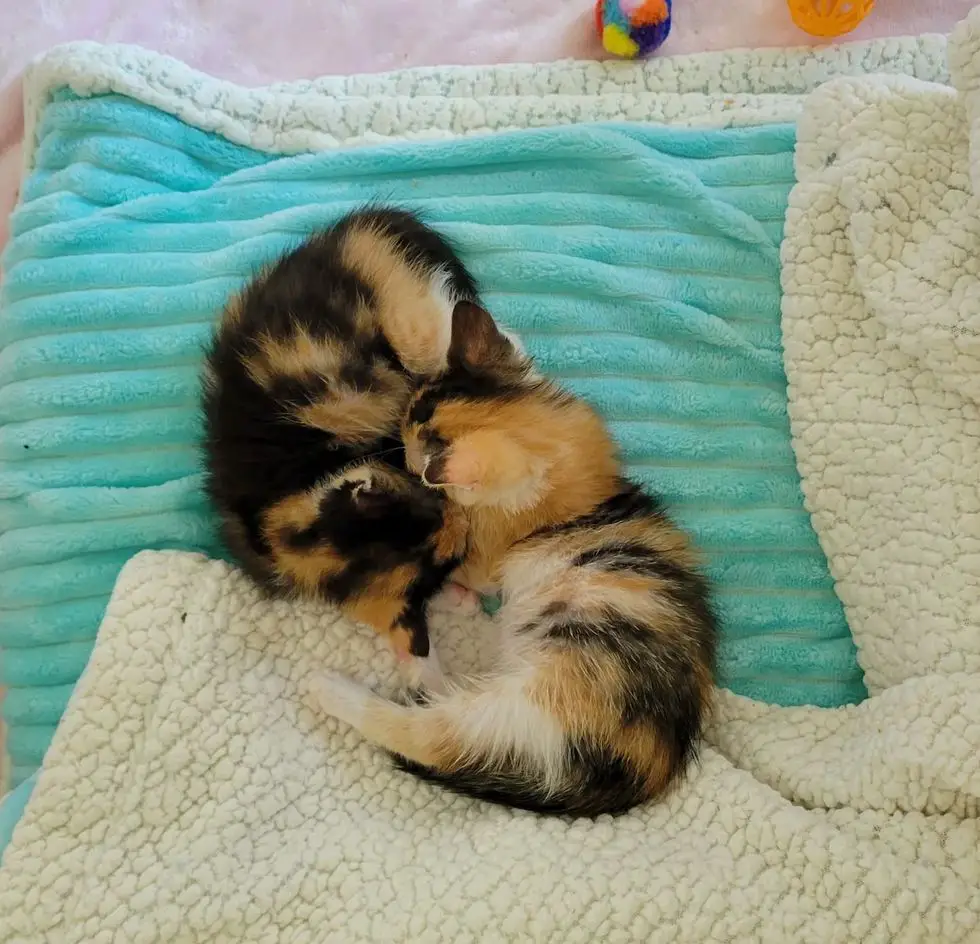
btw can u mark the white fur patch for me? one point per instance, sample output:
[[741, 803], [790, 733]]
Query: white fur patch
[[341, 698], [501, 720], [443, 302], [425, 673], [527, 579], [360, 475]]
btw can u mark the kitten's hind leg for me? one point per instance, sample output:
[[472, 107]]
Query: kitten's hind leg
[[398, 728]]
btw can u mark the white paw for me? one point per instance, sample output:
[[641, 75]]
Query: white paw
[[425, 674], [363, 486], [455, 598], [360, 478], [340, 697]]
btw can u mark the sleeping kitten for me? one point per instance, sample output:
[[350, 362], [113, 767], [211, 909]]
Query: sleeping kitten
[[608, 636], [306, 383]]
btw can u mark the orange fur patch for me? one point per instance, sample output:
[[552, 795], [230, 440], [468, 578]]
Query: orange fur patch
[[422, 735], [382, 602], [232, 312], [584, 692], [412, 316], [293, 356], [452, 539], [550, 439], [296, 512], [306, 568], [489, 459], [357, 417], [645, 751]]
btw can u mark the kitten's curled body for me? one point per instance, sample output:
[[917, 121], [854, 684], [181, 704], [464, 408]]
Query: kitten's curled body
[[306, 383], [608, 635]]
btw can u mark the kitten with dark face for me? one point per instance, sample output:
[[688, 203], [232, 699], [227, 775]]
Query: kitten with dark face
[[608, 634], [305, 385]]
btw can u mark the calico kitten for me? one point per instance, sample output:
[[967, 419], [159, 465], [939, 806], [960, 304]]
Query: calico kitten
[[608, 645], [306, 383]]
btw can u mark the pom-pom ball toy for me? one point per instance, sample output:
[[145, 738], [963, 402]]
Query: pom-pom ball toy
[[631, 28], [829, 18]]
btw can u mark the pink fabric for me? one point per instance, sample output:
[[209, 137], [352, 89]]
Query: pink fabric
[[258, 41]]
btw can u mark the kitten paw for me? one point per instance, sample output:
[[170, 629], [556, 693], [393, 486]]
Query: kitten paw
[[362, 487], [455, 598], [424, 676], [339, 696]]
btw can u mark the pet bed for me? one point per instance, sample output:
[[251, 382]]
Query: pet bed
[[49, 613], [99, 362], [170, 769]]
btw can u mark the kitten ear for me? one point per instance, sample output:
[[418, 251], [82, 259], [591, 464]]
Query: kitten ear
[[476, 339]]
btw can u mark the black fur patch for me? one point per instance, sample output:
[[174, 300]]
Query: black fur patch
[[383, 523], [432, 577], [606, 780], [310, 288], [630, 502], [337, 588], [601, 783], [660, 686], [458, 384], [688, 588], [300, 391], [632, 556], [422, 410], [414, 620], [436, 450], [257, 453]]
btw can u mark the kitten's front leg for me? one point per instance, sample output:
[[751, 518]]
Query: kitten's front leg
[[450, 546], [473, 575]]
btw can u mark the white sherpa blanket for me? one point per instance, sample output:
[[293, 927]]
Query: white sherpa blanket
[[192, 794]]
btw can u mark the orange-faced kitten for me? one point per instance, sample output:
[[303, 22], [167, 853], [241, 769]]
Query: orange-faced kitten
[[608, 636]]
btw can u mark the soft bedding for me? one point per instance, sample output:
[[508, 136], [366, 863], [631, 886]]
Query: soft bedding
[[640, 264], [191, 791]]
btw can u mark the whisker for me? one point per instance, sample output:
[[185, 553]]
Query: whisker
[[428, 484], [382, 452], [354, 463]]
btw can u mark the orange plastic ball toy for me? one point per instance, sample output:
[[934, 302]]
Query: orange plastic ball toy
[[829, 18]]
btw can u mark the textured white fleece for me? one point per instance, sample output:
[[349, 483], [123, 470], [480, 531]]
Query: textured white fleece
[[191, 793], [735, 87], [881, 330]]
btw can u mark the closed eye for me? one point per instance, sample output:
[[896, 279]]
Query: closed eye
[[433, 443]]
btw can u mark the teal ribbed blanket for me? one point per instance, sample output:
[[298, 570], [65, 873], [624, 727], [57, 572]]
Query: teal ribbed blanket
[[639, 264]]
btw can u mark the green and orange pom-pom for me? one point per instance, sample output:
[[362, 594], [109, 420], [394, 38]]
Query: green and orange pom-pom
[[632, 28]]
